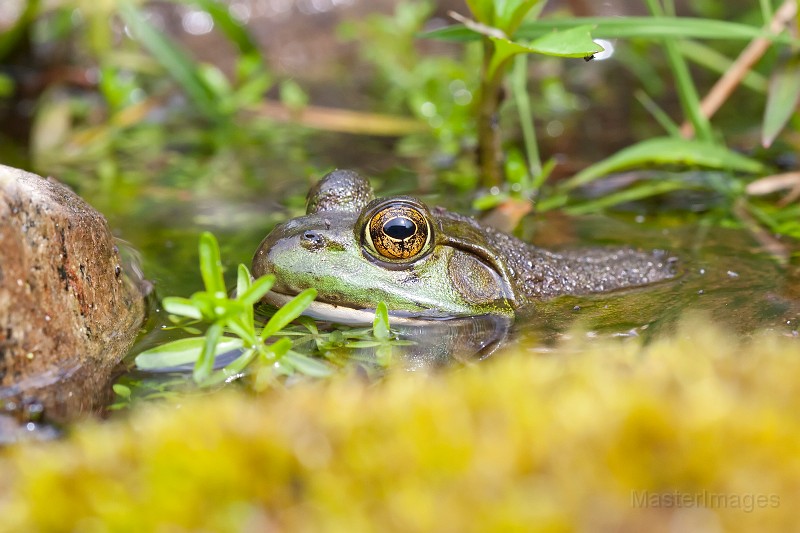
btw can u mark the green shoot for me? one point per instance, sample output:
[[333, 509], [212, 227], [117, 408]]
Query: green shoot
[[226, 316]]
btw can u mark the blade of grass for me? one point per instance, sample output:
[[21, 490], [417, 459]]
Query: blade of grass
[[380, 326], [180, 352], [687, 92], [288, 312], [205, 363], [657, 113], [242, 280], [306, 365], [666, 151], [211, 264], [782, 99], [519, 82], [175, 61], [181, 306], [709, 58], [628, 27], [257, 290], [637, 192]]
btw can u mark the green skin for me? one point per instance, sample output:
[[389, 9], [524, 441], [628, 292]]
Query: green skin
[[468, 269]]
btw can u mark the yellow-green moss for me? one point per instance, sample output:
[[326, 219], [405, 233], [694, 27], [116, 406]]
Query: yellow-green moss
[[523, 442]]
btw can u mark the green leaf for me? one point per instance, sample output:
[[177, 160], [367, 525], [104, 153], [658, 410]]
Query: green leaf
[[509, 14], [181, 352], [257, 290], [121, 390], [575, 42], [279, 348], [782, 99], [489, 201], [503, 51], [667, 151], [214, 80], [628, 27], [217, 307], [240, 363], [482, 10], [205, 363], [636, 192], [243, 280], [380, 326], [572, 42], [181, 307], [211, 265], [306, 365], [288, 312], [242, 326], [364, 344], [687, 93]]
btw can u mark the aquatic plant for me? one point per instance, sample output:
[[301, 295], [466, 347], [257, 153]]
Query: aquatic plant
[[263, 351], [234, 315]]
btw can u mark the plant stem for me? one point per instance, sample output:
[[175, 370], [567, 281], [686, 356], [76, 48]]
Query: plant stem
[[519, 80], [489, 150]]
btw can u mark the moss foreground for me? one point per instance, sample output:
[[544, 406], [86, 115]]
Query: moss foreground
[[705, 428]]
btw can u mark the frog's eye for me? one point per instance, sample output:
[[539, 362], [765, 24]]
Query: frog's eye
[[398, 231]]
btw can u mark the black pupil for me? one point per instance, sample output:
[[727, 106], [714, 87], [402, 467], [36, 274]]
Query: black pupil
[[399, 228]]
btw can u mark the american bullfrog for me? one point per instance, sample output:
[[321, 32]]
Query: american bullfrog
[[427, 263]]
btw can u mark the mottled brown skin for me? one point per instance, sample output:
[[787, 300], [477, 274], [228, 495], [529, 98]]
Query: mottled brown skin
[[536, 273]]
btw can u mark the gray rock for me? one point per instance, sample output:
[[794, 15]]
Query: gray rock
[[68, 312]]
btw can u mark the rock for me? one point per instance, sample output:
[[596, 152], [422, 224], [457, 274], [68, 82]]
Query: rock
[[68, 312]]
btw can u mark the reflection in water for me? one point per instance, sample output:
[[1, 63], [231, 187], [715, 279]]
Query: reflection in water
[[722, 275], [440, 343]]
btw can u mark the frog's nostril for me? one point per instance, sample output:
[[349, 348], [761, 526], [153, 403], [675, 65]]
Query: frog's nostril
[[312, 239]]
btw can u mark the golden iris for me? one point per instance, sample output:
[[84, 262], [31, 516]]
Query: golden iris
[[398, 232]]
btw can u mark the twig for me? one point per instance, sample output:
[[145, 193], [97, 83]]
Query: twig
[[341, 120]]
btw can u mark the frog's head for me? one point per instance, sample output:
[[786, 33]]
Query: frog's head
[[357, 251]]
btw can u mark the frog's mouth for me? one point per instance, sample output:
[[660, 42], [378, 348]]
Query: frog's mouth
[[341, 314]]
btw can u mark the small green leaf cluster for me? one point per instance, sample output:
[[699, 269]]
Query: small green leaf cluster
[[234, 327], [234, 316]]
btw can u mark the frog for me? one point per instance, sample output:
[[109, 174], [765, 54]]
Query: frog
[[428, 263]]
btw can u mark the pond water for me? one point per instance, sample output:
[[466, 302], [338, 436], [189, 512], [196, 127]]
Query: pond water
[[724, 273]]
